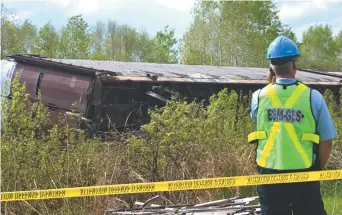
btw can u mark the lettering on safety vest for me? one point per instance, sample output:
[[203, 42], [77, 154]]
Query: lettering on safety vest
[[284, 115]]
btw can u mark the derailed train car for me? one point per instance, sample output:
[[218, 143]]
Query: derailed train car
[[120, 93]]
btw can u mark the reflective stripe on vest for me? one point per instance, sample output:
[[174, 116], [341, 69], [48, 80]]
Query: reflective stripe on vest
[[285, 138]]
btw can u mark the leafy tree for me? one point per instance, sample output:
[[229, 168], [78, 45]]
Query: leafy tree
[[145, 47], [9, 38], [339, 51], [164, 50], [75, 39], [194, 44], [129, 37], [27, 35], [112, 41], [287, 31], [16, 37], [226, 33], [233, 33], [319, 49], [47, 41], [123, 43], [8, 31], [98, 46]]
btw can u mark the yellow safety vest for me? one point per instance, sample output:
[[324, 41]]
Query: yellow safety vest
[[286, 127]]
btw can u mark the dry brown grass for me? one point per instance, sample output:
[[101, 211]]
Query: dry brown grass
[[185, 141]]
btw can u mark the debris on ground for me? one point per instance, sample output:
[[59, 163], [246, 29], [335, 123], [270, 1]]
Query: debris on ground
[[236, 206]]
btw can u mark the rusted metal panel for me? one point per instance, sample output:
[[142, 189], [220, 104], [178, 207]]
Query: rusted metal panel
[[30, 76], [64, 89], [59, 89]]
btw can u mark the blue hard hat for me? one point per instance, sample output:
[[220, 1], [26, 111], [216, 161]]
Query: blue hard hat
[[282, 47]]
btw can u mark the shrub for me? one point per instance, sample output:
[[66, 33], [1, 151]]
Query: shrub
[[184, 140], [188, 140], [34, 157]]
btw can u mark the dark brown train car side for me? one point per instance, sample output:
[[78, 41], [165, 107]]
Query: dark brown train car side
[[59, 90]]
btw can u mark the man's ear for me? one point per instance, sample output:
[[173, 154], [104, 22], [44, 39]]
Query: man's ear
[[294, 67]]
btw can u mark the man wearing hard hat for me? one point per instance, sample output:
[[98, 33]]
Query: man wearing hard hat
[[294, 134]]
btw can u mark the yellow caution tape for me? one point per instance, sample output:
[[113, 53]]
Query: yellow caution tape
[[195, 184]]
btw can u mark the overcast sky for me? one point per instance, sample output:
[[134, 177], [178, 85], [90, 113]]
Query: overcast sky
[[153, 15]]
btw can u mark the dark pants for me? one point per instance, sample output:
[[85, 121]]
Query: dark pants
[[283, 199]]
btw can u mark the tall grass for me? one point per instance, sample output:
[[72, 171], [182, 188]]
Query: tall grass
[[185, 140]]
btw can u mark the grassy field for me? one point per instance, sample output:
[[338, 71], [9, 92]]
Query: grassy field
[[333, 205], [332, 197], [186, 141]]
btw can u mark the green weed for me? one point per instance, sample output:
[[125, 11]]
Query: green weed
[[186, 141]]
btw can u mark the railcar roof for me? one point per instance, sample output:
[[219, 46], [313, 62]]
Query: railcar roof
[[177, 72]]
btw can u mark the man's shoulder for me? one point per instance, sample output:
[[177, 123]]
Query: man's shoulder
[[316, 93], [317, 96], [255, 94]]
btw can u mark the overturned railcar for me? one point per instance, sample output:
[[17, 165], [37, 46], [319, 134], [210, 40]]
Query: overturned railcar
[[120, 93]]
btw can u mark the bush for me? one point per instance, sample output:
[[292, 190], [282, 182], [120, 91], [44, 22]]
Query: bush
[[34, 158], [185, 140], [192, 141]]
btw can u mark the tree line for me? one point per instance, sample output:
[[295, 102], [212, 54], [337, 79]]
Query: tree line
[[223, 33], [78, 40], [238, 34]]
